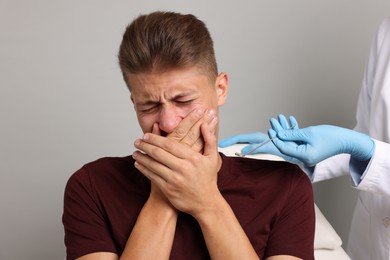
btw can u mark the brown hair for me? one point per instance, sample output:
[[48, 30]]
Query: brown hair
[[162, 41]]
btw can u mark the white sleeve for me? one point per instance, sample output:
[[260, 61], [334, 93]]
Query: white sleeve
[[376, 177], [332, 167], [373, 115]]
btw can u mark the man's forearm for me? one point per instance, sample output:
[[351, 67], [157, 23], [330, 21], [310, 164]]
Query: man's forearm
[[153, 233], [224, 236]]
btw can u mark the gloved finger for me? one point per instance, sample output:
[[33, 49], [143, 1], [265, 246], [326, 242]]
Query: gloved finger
[[275, 124], [293, 122], [287, 148], [291, 159], [243, 138], [283, 121], [295, 135], [272, 134]]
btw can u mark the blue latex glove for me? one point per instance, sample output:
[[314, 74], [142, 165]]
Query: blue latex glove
[[316, 143], [255, 139]]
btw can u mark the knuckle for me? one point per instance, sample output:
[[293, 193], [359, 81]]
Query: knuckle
[[169, 145], [179, 132], [154, 152], [175, 181], [192, 137], [183, 168], [196, 159]]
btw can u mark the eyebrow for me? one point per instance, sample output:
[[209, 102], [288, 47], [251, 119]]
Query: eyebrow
[[148, 103]]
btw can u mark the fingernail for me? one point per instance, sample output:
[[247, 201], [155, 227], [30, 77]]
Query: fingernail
[[145, 137], [137, 142], [136, 164]]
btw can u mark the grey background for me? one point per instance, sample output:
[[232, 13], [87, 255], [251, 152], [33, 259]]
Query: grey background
[[63, 102]]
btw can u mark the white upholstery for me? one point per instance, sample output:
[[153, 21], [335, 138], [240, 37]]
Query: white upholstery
[[325, 236], [327, 244]]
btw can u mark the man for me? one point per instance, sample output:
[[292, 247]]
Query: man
[[177, 197]]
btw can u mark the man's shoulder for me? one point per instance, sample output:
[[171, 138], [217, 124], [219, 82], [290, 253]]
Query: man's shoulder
[[104, 169], [262, 165], [236, 169], [110, 162]]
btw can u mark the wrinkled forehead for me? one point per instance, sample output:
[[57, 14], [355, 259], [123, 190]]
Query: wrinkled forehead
[[134, 80], [174, 80]]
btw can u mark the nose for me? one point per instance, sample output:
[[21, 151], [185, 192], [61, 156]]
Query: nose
[[169, 119]]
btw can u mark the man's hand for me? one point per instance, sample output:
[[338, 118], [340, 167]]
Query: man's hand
[[187, 178], [188, 131]]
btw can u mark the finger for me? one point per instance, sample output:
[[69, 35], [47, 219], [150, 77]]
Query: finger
[[243, 138], [152, 165], [198, 145], [275, 140], [186, 125], [275, 124], [294, 122], [272, 133], [290, 149], [156, 129], [210, 138], [195, 132], [164, 150], [194, 137], [235, 139], [152, 176], [295, 135], [283, 121], [283, 147]]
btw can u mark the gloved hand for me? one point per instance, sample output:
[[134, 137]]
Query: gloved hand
[[255, 139], [316, 143]]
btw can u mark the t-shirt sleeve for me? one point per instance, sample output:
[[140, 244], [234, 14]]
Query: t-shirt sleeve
[[85, 227], [293, 231]]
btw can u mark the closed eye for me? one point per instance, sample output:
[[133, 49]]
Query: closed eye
[[184, 102], [149, 109]]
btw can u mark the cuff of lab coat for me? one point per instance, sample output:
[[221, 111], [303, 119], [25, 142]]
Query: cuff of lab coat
[[375, 177], [358, 169], [308, 170]]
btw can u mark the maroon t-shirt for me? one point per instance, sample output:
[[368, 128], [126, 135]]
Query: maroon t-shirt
[[273, 201]]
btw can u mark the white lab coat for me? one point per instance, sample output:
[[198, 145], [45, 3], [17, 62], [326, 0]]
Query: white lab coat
[[369, 237]]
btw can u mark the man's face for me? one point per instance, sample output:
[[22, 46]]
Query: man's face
[[166, 98]]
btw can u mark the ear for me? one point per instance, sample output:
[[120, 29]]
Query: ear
[[222, 87]]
